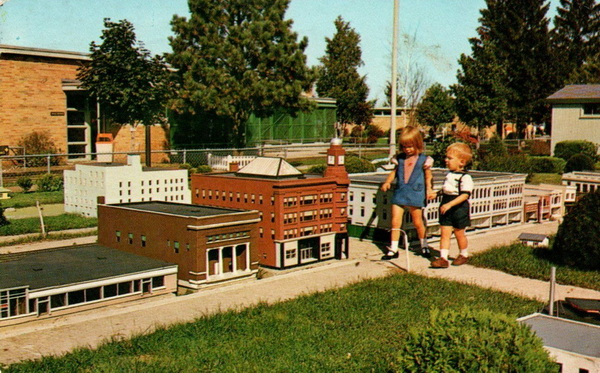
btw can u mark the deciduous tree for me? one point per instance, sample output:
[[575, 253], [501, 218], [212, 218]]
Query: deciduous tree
[[234, 58], [436, 107]]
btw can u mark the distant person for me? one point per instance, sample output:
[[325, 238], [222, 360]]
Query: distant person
[[413, 187], [454, 206]]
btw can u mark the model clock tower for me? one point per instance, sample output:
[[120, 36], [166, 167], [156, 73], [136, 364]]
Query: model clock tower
[[335, 161]]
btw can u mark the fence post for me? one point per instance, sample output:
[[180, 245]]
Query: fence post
[[184, 156], [48, 162]]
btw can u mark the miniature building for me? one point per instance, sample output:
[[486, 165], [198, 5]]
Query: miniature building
[[4, 193], [303, 217], [546, 202], [583, 181], [497, 199], [54, 282], [119, 183], [209, 244], [533, 239], [573, 345]]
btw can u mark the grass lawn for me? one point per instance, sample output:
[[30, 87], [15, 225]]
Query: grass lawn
[[541, 178], [353, 329], [525, 261], [19, 200], [52, 223]]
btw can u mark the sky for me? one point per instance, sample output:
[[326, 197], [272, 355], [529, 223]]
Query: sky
[[441, 28]]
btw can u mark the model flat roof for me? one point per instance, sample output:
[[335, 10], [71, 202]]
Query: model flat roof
[[438, 176], [567, 335], [576, 93], [71, 265], [180, 209]]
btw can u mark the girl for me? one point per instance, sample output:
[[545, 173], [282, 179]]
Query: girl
[[413, 187]]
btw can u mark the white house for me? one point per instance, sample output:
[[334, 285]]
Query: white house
[[121, 183], [583, 181], [575, 113], [574, 345]]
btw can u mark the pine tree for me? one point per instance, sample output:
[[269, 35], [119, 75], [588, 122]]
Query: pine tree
[[235, 58], [339, 77]]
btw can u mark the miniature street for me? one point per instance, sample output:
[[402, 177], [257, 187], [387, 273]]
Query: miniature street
[[56, 336]]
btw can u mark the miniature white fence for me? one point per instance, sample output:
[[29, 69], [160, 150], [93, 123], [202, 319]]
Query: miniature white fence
[[221, 163]]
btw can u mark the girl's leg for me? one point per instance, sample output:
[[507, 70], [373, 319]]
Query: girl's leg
[[397, 214], [416, 214]]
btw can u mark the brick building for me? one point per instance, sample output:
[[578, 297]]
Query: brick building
[[208, 244], [39, 92], [303, 217]]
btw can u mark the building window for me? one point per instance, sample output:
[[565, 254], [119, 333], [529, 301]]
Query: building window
[[118, 236], [13, 302], [130, 236], [591, 109], [176, 247], [143, 240]]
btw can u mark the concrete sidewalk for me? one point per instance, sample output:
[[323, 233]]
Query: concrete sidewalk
[[57, 336]]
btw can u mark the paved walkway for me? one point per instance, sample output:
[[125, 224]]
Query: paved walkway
[[57, 336]]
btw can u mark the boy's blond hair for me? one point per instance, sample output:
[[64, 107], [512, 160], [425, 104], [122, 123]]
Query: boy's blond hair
[[461, 150], [412, 136]]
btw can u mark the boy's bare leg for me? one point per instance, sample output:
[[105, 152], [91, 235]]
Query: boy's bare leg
[[442, 261], [463, 243]]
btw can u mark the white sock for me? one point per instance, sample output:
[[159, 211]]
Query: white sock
[[394, 246], [444, 253], [424, 242], [464, 252]]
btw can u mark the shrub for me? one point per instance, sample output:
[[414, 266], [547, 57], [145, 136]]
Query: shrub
[[567, 149], [356, 165], [580, 162], [576, 242], [472, 341], [50, 183], [3, 220], [317, 169], [552, 165], [518, 163], [39, 143], [25, 183], [203, 169]]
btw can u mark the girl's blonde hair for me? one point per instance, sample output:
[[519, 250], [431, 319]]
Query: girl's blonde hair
[[412, 136], [461, 150]]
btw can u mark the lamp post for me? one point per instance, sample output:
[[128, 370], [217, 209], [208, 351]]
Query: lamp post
[[394, 81]]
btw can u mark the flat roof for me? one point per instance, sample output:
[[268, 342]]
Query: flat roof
[[566, 335], [40, 52], [71, 265], [439, 175], [180, 209]]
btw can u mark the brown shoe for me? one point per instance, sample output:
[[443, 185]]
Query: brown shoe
[[440, 263], [460, 261]]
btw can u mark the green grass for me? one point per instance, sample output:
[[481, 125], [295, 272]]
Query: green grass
[[52, 236], [52, 223], [19, 200], [542, 178], [521, 260], [353, 329]]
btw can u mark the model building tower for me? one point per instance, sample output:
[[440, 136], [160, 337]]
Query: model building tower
[[303, 217]]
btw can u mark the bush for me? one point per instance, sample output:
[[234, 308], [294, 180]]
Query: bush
[[356, 165], [3, 220], [567, 149], [203, 169], [580, 162], [551, 165], [576, 242], [25, 183], [518, 163], [472, 341], [50, 183], [39, 143], [317, 169]]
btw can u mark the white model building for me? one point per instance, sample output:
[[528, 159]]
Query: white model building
[[122, 183], [584, 181], [546, 202], [497, 199]]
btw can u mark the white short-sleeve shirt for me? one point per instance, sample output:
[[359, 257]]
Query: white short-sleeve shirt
[[457, 181]]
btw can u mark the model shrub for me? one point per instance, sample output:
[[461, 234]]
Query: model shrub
[[577, 239], [356, 165], [550, 165], [472, 341], [318, 169], [580, 162], [3, 220], [25, 183], [50, 183], [203, 169], [567, 149]]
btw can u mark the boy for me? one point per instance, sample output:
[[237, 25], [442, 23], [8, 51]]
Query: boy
[[454, 207]]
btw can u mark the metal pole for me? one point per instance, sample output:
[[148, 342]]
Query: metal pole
[[552, 290], [394, 81]]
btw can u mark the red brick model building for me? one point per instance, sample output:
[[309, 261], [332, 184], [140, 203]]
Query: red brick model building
[[209, 244], [303, 217]]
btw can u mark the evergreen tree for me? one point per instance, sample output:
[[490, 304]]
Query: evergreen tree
[[400, 101], [436, 107], [340, 79], [131, 86], [235, 58], [576, 38]]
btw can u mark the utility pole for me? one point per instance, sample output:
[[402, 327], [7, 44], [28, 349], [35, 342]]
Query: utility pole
[[393, 102]]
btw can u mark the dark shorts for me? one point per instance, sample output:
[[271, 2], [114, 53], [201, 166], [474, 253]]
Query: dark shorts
[[458, 216]]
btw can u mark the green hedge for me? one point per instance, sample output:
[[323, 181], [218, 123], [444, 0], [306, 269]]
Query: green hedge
[[567, 149]]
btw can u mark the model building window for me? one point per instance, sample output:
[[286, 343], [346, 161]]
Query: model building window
[[118, 236], [308, 200], [130, 236], [143, 240], [176, 247], [260, 199], [290, 253], [351, 196], [260, 231], [326, 249]]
